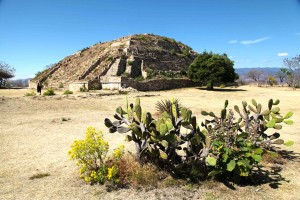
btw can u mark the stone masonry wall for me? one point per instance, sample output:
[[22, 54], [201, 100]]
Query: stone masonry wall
[[159, 84]]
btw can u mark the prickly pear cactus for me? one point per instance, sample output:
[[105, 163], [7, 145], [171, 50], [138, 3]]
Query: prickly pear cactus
[[162, 140]]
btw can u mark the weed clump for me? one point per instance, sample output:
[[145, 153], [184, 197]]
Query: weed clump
[[68, 92], [30, 94], [49, 92]]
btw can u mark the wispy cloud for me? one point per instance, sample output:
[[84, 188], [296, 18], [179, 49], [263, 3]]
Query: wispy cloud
[[297, 33], [246, 42], [282, 54], [232, 41]]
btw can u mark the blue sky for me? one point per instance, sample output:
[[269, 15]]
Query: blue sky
[[256, 33]]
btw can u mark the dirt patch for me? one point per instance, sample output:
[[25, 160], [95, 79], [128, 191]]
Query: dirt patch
[[35, 140]]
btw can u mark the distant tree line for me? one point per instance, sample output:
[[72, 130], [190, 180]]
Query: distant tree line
[[289, 74]]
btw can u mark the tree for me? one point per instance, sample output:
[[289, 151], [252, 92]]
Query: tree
[[211, 68], [255, 75], [293, 74], [271, 80], [6, 72], [282, 75]]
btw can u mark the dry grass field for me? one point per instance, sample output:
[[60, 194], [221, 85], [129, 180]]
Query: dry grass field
[[34, 140]]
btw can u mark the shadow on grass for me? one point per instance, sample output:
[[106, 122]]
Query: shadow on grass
[[223, 89]]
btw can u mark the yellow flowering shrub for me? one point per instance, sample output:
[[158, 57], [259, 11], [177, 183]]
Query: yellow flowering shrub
[[92, 157]]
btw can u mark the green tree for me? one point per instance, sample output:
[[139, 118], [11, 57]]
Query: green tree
[[211, 68], [271, 80]]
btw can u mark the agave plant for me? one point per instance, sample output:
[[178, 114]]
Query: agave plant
[[166, 105]]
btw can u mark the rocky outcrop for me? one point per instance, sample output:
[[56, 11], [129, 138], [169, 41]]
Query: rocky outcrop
[[132, 57]]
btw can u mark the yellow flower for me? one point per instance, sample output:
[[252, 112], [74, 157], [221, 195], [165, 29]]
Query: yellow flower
[[112, 172], [119, 152]]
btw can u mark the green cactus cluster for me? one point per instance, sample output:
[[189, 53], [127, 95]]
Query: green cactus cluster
[[237, 145], [162, 140], [227, 144]]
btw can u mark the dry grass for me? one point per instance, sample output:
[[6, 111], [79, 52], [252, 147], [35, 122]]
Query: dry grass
[[34, 140]]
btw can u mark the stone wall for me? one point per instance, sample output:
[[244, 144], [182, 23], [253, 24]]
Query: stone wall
[[111, 82], [75, 86], [159, 84]]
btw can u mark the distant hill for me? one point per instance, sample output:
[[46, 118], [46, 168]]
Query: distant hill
[[266, 70]]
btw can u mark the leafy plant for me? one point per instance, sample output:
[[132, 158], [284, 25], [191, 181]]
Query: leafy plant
[[271, 80], [173, 52], [92, 157], [83, 88], [225, 145], [130, 62], [29, 94], [161, 141], [236, 146], [60, 85], [166, 105], [186, 52], [68, 92], [49, 92], [140, 78]]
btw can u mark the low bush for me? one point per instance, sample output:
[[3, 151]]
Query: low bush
[[60, 85], [68, 92], [96, 166], [83, 89], [29, 94], [49, 92], [130, 62]]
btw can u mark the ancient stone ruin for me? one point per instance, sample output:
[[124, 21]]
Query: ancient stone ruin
[[137, 61]]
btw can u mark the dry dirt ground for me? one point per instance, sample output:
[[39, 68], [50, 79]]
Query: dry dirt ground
[[34, 139]]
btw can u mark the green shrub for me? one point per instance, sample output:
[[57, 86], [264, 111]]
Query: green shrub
[[173, 52], [68, 92], [91, 154], [226, 145], [186, 52], [159, 140], [29, 94], [123, 92], [60, 85], [237, 146], [83, 89], [222, 86], [271, 80], [130, 62], [110, 58], [49, 92], [140, 78], [64, 119], [183, 73]]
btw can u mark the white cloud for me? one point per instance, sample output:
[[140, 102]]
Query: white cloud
[[233, 42], [246, 42], [282, 54]]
